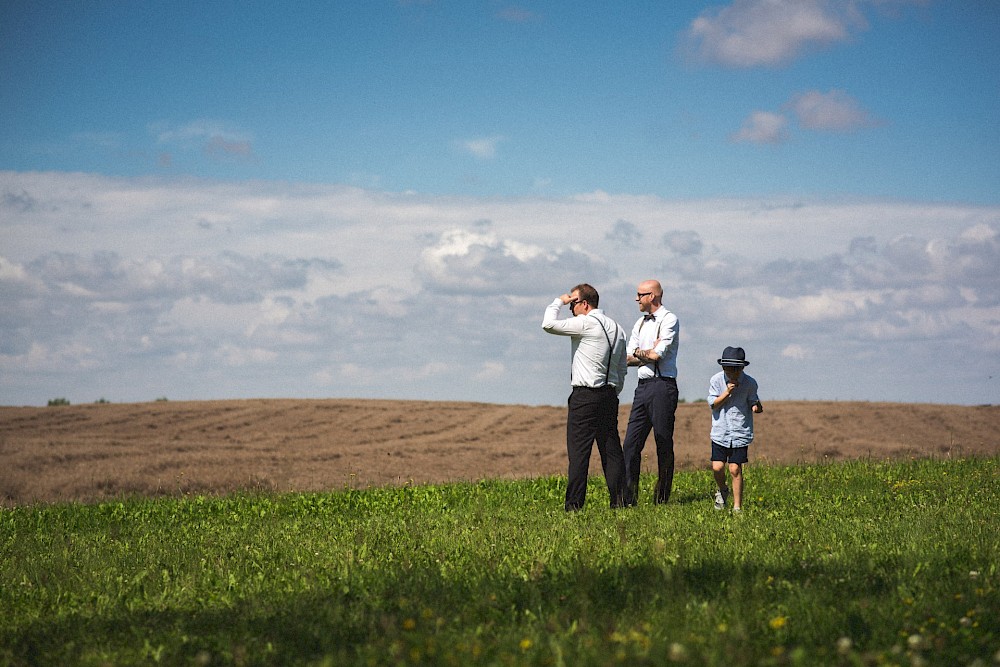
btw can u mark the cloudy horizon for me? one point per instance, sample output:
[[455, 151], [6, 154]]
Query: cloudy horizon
[[380, 201], [134, 289]]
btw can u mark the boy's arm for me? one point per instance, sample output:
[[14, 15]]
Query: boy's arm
[[717, 394], [721, 398], [755, 404], [726, 392]]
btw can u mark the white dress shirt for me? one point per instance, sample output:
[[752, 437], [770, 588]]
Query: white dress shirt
[[592, 365], [667, 328]]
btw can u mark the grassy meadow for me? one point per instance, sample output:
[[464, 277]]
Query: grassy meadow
[[857, 563]]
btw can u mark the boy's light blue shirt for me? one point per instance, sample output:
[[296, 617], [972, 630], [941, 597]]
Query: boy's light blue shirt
[[732, 422]]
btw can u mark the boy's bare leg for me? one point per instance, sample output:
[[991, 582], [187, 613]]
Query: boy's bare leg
[[722, 494], [719, 471], [736, 472]]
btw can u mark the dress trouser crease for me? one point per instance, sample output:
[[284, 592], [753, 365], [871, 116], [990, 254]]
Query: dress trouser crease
[[652, 409], [593, 415]]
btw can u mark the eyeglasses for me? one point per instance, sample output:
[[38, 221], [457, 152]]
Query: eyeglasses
[[639, 295], [572, 304]]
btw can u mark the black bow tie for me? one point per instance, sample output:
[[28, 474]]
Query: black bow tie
[[649, 317]]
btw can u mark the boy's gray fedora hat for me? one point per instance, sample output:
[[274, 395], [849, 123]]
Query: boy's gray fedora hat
[[733, 356]]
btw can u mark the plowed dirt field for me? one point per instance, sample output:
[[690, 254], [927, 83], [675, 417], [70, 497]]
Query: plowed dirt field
[[87, 453]]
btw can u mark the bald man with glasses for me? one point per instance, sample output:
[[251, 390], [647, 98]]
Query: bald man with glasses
[[653, 349]]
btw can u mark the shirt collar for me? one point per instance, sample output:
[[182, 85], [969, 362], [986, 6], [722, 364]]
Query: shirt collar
[[658, 313]]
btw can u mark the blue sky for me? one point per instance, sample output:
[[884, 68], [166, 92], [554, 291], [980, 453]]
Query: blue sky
[[378, 199]]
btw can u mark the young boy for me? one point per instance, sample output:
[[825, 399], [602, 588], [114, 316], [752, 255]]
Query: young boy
[[732, 395]]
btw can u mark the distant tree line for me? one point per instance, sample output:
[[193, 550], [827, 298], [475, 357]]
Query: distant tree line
[[101, 400]]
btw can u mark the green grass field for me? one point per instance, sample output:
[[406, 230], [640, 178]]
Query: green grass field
[[862, 563]]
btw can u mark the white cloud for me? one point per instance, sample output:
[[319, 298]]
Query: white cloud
[[624, 233], [980, 233], [241, 356], [115, 285], [752, 33], [195, 131], [825, 306], [226, 278], [213, 138], [12, 274], [772, 33], [491, 371], [834, 111], [794, 351], [684, 243], [425, 372], [484, 148], [762, 127], [464, 262]]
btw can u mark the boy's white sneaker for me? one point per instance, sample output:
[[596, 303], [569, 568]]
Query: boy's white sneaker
[[720, 498]]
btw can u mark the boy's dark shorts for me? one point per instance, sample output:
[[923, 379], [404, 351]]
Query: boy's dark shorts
[[730, 454]]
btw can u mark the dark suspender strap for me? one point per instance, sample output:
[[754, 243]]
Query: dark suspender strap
[[611, 349], [656, 364]]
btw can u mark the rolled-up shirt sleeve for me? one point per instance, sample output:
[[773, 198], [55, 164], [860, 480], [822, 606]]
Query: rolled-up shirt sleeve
[[551, 323], [715, 389], [668, 334]]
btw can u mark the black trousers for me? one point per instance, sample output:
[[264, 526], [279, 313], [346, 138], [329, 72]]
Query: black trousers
[[593, 415], [653, 409]]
